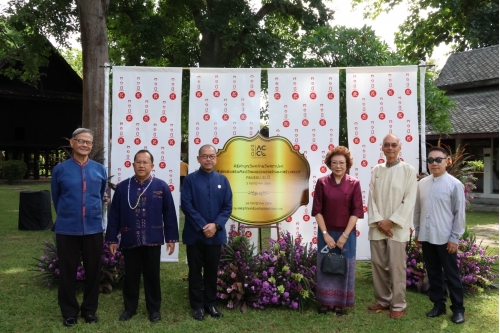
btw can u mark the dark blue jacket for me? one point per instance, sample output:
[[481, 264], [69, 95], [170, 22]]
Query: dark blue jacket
[[151, 223], [77, 194], [205, 198]]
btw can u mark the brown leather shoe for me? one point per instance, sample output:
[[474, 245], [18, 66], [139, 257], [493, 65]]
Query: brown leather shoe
[[397, 314], [378, 307]]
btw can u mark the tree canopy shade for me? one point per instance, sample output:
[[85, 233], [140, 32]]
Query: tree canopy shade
[[23, 30], [224, 33], [208, 33], [35, 20], [464, 24]]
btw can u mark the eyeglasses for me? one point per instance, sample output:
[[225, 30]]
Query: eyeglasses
[[81, 142], [393, 145], [142, 163], [338, 163], [208, 157], [438, 160]]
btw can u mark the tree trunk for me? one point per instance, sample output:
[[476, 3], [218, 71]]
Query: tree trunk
[[211, 54], [94, 35]]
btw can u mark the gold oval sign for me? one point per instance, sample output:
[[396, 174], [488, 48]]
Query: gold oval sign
[[269, 179]]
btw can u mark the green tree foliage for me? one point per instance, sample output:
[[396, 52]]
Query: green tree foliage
[[350, 47], [74, 58], [464, 24], [23, 30], [224, 33], [20, 59]]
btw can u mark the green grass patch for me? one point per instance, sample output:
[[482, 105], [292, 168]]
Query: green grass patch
[[25, 306], [474, 218]]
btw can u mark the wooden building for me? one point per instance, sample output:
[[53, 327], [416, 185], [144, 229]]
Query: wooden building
[[471, 79], [34, 120]]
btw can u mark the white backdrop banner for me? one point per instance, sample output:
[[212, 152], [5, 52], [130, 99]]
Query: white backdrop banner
[[380, 100], [304, 108], [223, 103], [147, 115]]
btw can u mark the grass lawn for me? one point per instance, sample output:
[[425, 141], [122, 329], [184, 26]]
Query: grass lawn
[[28, 307], [481, 218]]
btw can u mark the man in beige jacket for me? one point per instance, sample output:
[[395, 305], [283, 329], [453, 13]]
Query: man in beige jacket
[[393, 189]]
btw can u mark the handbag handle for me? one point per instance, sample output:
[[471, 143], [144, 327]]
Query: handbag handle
[[326, 250]]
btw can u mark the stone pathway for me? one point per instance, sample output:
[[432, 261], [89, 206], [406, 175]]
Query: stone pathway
[[487, 233]]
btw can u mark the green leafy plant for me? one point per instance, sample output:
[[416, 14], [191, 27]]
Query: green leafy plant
[[14, 171], [476, 166], [461, 168]]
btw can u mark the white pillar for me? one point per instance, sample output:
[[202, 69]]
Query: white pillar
[[422, 68]]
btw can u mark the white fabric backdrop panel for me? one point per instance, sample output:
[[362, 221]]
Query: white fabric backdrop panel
[[147, 115], [223, 103], [380, 100], [304, 108]]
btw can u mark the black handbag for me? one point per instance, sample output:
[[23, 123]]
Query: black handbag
[[333, 263]]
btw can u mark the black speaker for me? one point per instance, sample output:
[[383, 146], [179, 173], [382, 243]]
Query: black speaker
[[34, 210]]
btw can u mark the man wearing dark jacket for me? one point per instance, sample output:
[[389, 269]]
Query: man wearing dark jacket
[[78, 185], [143, 212], [206, 200]]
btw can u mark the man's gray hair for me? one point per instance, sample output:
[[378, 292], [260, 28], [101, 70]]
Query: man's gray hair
[[393, 135], [82, 130]]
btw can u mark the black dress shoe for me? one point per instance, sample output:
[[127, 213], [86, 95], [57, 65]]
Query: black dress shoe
[[126, 316], [323, 310], [214, 313], [154, 317], [91, 319], [199, 314], [68, 322], [435, 312], [458, 318], [338, 311]]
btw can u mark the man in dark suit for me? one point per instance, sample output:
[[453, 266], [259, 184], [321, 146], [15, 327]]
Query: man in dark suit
[[206, 201]]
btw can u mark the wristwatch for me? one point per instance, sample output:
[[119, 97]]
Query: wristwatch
[[218, 227], [324, 232]]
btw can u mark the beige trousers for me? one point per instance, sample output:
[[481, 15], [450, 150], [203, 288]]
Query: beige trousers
[[389, 273]]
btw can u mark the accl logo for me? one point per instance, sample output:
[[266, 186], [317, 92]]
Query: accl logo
[[256, 150]]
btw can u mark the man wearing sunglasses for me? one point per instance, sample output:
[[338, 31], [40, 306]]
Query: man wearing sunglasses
[[439, 223], [206, 200], [78, 186], [393, 188]]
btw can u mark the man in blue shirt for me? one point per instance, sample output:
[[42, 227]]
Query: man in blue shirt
[[206, 200], [143, 213], [78, 186], [439, 223]]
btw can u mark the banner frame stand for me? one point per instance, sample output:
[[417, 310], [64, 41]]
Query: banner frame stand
[[260, 227]]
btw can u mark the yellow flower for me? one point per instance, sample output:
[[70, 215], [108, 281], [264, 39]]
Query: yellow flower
[[281, 289]]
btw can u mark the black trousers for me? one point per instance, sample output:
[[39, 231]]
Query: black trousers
[[145, 260], [69, 250], [438, 260], [202, 288]]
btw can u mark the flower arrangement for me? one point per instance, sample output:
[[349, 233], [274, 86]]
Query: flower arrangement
[[113, 268], [475, 265], [469, 187], [283, 275], [473, 261], [416, 275]]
